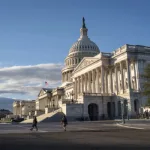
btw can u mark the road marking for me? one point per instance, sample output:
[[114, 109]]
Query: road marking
[[130, 127]]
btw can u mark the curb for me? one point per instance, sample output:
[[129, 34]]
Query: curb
[[129, 127]]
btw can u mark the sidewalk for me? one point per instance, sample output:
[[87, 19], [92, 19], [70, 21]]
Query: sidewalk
[[136, 123]]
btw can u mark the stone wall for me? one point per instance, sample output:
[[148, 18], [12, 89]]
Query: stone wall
[[73, 111], [101, 101]]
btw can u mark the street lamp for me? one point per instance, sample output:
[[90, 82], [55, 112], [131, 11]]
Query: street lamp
[[127, 106], [103, 116], [72, 96], [53, 105], [123, 119]]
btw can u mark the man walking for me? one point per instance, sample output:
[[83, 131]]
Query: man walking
[[64, 122], [34, 124]]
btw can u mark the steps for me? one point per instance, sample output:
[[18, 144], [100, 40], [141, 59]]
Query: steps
[[52, 116]]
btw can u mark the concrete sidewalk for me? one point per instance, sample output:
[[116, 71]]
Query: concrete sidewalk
[[135, 124]]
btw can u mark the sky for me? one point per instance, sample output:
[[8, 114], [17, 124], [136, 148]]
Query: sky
[[36, 35]]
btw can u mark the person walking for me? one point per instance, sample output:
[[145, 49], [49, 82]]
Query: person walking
[[34, 124], [64, 122]]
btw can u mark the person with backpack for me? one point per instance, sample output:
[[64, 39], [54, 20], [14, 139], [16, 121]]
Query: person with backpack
[[64, 122], [34, 124]]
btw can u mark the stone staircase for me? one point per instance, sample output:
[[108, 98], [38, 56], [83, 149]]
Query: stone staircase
[[52, 116]]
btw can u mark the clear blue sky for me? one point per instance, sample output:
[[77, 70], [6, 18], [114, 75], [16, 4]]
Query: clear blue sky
[[42, 31]]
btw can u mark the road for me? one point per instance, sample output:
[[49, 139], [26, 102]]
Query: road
[[57, 127], [80, 135], [138, 123]]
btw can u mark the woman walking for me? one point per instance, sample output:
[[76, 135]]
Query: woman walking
[[34, 124]]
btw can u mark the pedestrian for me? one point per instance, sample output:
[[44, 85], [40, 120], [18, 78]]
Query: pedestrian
[[34, 124], [147, 115], [64, 122]]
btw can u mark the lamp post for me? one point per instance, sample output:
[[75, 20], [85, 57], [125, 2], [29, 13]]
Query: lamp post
[[53, 105], [103, 108], [72, 94], [122, 104], [127, 105]]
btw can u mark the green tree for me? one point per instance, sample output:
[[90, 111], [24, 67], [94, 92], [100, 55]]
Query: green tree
[[146, 86]]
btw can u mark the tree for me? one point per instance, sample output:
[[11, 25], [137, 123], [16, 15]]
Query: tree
[[146, 85]]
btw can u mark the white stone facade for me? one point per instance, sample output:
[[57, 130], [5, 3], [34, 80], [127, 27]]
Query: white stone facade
[[22, 108]]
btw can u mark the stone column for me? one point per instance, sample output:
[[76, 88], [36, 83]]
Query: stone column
[[116, 79], [85, 82], [78, 87], [74, 88], [79, 84], [97, 80], [68, 75], [102, 79], [93, 80], [81, 88], [89, 82], [106, 81], [64, 76], [135, 75], [122, 77], [128, 74], [111, 83]]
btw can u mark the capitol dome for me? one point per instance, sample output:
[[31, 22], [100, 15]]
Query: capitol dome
[[84, 47], [84, 44]]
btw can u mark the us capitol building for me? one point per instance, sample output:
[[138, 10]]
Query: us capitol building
[[95, 85]]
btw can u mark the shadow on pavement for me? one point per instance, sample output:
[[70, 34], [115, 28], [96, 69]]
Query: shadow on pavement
[[69, 146]]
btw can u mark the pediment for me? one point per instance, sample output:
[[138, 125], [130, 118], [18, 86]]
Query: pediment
[[42, 92], [85, 62]]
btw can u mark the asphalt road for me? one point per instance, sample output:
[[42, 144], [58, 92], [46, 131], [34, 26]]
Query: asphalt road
[[57, 127], [88, 136], [138, 123]]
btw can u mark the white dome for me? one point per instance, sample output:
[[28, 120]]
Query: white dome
[[84, 44]]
